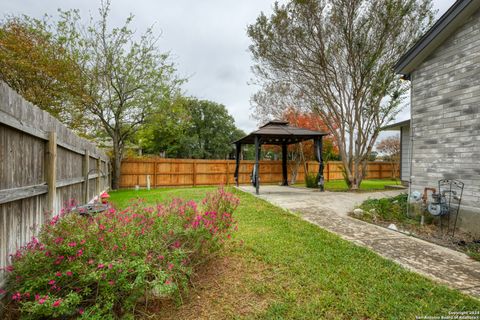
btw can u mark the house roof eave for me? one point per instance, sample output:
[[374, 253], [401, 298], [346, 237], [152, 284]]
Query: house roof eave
[[396, 126], [450, 21]]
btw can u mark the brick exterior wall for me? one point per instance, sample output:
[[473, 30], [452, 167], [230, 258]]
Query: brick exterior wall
[[405, 156], [446, 119]]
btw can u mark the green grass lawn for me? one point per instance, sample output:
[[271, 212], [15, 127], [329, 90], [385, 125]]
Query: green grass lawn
[[282, 267], [366, 185]]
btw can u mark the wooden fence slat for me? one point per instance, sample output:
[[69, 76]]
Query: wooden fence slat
[[10, 121], [86, 170], [9, 195], [69, 182], [70, 147], [51, 170], [97, 178], [176, 173], [154, 174], [227, 174], [194, 174]]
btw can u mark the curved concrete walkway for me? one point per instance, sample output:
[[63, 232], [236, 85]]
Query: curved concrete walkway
[[329, 210]]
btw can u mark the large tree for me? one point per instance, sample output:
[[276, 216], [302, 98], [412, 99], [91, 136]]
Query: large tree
[[125, 78], [192, 128], [89, 73], [335, 58], [33, 63]]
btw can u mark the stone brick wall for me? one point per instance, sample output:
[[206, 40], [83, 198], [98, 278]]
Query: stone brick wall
[[405, 157], [446, 118]]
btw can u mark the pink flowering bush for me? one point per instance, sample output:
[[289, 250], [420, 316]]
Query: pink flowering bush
[[100, 266]]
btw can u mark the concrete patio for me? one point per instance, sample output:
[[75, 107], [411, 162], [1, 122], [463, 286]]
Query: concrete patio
[[329, 210]]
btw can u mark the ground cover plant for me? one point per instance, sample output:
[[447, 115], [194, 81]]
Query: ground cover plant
[[393, 209], [386, 211], [99, 267], [282, 267], [311, 180]]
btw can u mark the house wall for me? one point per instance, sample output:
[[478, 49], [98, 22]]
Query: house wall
[[446, 119], [405, 157]]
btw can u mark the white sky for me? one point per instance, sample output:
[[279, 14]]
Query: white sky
[[207, 40]]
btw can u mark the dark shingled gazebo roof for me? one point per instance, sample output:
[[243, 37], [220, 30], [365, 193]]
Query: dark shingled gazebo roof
[[280, 132]]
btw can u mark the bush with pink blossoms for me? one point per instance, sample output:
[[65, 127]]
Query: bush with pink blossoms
[[100, 266]]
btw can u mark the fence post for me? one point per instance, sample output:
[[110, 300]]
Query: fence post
[[194, 173], [51, 171], [97, 187], [328, 171], [106, 172], [86, 169], [106, 169], [381, 170], [155, 173], [228, 174]]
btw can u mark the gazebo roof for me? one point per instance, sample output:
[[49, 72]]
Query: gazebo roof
[[280, 132]]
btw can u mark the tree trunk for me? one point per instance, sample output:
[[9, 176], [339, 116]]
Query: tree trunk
[[354, 173], [348, 172], [116, 163], [359, 173], [354, 183]]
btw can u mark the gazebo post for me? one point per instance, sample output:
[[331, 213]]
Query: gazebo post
[[318, 154], [284, 165], [257, 160], [238, 151]]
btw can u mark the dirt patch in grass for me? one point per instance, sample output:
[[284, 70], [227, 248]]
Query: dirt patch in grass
[[221, 289], [8, 312]]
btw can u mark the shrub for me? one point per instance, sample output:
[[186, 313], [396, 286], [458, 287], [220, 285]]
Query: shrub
[[386, 209], [99, 267], [311, 180]]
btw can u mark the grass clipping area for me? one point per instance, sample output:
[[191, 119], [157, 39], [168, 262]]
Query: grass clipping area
[[281, 267]]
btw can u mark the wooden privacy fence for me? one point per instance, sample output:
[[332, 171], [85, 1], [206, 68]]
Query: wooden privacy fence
[[42, 166], [160, 172]]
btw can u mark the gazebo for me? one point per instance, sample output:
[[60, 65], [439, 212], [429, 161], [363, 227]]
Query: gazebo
[[279, 133]]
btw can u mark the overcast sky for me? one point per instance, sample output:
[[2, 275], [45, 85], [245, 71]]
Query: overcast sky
[[207, 40]]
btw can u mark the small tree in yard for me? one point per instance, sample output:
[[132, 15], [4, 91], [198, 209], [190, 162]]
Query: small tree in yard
[[124, 80], [335, 58], [390, 149]]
